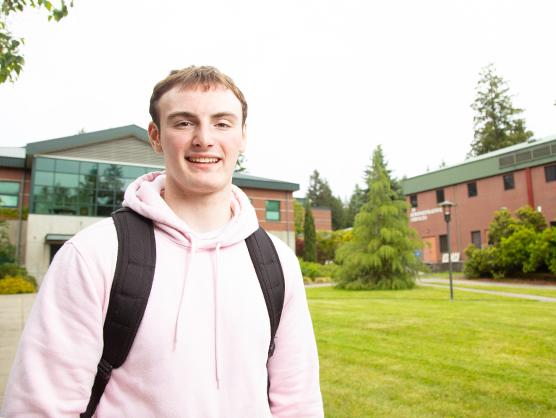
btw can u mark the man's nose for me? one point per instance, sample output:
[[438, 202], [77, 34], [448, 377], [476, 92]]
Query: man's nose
[[203, 137]]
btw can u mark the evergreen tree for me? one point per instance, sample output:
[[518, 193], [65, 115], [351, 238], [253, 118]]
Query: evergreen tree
[[309, 235], [320, 194], [357, 200], [381, 254], [496, 120], [299, 215], [7, 249], [241, 164]]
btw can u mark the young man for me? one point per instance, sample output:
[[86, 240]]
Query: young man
[[202, 347]]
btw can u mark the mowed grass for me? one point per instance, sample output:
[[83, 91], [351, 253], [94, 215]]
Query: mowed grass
[[522, 290], [414, 354]]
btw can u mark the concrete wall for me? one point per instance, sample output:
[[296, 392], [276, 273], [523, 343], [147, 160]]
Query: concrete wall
[[37, 255]]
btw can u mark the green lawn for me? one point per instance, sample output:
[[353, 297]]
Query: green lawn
[[415, 354], [523, 290]]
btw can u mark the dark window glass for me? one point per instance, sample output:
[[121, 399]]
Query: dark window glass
[[272, 210], [413, 200], [472, 189], [104, 210], [440, 196], [443, 243], [509, 182], [54, 248], [553, 224], [476, 238], [550, 173]]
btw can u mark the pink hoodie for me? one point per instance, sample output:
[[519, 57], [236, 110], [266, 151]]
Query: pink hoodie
[[201, 349]]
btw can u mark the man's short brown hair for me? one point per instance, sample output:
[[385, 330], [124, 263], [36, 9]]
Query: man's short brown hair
[[204, 77]]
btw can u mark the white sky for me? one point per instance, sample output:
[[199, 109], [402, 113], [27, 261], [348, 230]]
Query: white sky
[[326, 81]]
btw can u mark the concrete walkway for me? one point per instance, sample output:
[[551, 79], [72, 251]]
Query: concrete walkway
[[442, 283], [14, 310]]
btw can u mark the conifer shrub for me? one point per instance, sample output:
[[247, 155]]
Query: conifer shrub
[[382, 251]]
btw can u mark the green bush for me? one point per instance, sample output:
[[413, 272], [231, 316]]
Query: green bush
[[11, 285], [313, 270], [543, 252]]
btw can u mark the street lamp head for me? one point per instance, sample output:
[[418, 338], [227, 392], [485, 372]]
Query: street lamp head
[[447, 209]]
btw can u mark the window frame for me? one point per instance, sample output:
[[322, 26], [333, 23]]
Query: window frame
[[480, 240], [440, 192], [506, 181], [550, 173], [12, 194], [472, 190], [413, 200], [268, 210]]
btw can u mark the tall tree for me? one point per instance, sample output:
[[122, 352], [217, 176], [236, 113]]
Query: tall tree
[[320, 194], [382, 252], [11, 59], [309, 235], [357, 200], [241, 164], [496, 121]]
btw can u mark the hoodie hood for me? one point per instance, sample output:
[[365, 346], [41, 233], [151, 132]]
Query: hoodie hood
[[144, 197]]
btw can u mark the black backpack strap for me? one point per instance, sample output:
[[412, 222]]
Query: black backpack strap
[[128, 297], [271, 277]]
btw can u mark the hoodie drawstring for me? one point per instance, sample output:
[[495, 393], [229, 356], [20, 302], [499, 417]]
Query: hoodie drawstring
[[187, 270], [216, 316]]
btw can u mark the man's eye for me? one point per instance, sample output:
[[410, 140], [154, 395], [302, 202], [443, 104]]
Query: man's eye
[[223, 125], [184, 123]]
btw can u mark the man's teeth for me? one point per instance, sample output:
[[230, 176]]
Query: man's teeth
[[206, 160]]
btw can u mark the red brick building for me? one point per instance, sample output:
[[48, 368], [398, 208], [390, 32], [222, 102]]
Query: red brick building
[[71, 182], [523, 174]]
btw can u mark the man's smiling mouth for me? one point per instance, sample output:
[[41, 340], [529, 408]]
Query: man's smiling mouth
[[203, 160]]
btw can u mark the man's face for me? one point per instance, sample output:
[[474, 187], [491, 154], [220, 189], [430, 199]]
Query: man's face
[[201, 136]]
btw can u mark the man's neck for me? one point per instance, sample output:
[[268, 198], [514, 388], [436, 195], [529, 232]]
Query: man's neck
[[203, 213]]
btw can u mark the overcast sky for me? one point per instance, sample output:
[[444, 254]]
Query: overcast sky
[[326, 81]]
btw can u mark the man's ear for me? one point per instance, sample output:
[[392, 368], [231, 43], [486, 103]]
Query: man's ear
[[154, 138]]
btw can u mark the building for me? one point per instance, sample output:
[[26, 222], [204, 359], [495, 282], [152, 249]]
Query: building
[[68, 183], [523, 174], [321, 215]]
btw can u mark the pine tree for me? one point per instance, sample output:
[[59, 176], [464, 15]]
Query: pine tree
[[357, 200], [309, 235], [496, 121], [381, 254], [321, 195]]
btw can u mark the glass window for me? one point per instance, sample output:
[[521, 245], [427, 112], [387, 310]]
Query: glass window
[[476, 238], [44, 164], [509, 182], [84, 188], [66, 180], [413, 200], [443, 239], [472, 189], [43, 178], [67, 166], [132, 172], [272, 210], [440, 196], [9, 187], [550, 173], [9, 194], [8, 201]]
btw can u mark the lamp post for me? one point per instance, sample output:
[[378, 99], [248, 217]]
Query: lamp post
[[447, 209]]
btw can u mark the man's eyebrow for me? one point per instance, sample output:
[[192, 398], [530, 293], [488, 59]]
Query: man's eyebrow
[[182, 114], [228, 115]]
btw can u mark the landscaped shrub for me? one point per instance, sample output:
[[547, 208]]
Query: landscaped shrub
[[313, 270], [519, 245], [11, 285]]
